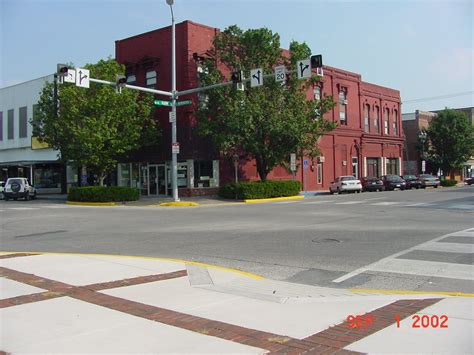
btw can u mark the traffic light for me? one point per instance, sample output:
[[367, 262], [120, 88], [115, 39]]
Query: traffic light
[[61, 72], [237, 77], [120, 82], [316, 61]]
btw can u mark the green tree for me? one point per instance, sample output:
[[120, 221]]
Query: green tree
[[450, 140], [95, 127], [269, 122]]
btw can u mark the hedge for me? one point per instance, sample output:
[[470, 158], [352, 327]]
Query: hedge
[[260, 189], [448, 182], [103, 194]]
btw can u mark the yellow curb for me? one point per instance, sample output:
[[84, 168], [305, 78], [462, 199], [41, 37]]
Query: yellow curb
[[248, 274], [274, 199], [179, 204], [407, 292], [92, 203]]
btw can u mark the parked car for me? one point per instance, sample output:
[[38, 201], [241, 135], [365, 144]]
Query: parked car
[[429, 180], [469, 181], [371, 183], [411, 181], [19, 187], [345, 184], [2, 187], [392, 182]]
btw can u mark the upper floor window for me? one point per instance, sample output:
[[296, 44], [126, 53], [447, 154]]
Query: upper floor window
[[343, 107], [23, 122], [395, 122], [317, 92], [377, 119], [366, 118], [11, 124], [150, 79], [385, 121]]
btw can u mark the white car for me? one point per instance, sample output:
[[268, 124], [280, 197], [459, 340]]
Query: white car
[[19, 187], [345, 184]]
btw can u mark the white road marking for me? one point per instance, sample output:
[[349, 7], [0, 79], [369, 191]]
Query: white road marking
[[417, 204], [448, 247], [385, 203], [374, 266], [23, 208], [285, 202], [350, 202], [317, 202], [426, 268]]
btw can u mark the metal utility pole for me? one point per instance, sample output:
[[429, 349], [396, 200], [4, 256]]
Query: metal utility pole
[[174, 159]]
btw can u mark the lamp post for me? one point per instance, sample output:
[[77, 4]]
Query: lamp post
[[422, 138], [235, 158], [174, 159]]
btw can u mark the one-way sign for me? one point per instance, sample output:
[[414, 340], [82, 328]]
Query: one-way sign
[[256, 77]]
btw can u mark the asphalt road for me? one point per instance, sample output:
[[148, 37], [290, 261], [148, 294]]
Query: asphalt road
[[379, 240]]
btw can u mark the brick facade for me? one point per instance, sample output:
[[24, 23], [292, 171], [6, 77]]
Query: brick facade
[[346, 149]]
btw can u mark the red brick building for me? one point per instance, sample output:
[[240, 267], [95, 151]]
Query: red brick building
[[368, 140]]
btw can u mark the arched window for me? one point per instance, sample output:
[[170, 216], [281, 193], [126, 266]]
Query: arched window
[[343, 106], [395, 122], [366, 118], [377, 120], [385, 121]]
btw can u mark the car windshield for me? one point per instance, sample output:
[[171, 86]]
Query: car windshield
[[393, 178], [427, 176], [409, 177], [347, 178]]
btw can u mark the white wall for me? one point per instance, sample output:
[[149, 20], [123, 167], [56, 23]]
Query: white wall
[[14, 97]]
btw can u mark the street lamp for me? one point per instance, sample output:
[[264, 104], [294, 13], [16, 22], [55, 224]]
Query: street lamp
[[174, 161], [422, 137], [235, 158]]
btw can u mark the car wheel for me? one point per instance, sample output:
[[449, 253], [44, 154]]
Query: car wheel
[[27, 196], [436, 186], [338, 191], [15, 199], [34, 196], [6, 198]]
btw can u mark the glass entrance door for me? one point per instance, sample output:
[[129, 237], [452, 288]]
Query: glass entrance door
[[161, 175], [153, 179]]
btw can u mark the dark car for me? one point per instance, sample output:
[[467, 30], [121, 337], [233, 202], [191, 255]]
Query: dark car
[[411, 181], [469, 181], [429, 180], [392, 182], [371, 183]]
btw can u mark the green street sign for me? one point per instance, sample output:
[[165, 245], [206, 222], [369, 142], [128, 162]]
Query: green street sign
[[162, 103], [185, 102]]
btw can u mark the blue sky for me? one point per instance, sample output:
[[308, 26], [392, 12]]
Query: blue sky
[[422, 48]]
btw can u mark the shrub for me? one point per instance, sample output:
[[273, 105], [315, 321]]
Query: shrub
[[448, 182], [103, 194], [260, 189]]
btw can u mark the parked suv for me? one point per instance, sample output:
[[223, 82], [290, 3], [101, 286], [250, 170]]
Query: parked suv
[[2, 187], [19, 188]]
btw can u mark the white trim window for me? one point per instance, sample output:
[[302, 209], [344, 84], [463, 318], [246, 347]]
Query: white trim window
[[150, 79]]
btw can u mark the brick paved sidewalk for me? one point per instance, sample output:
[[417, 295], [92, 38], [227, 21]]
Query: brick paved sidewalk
[[96, 304]]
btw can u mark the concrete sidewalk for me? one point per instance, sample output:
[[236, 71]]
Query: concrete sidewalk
[[64, 303]]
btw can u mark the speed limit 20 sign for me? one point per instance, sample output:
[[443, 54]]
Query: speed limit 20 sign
[[280, 73]]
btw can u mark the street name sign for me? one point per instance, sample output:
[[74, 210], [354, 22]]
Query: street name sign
[[256, 77], [303, 68], [82, 77], [71, 76], [185, 102], [293, 161], [162, 103], [280, 73]]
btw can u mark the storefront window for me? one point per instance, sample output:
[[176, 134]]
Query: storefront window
[[47, 176], [135, 176], [124, 175], [203, 173], [182, 175], [392, 166]]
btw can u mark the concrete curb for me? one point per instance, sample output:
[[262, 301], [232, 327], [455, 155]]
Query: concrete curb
[[183, 203], [273, 199], [92, 203]]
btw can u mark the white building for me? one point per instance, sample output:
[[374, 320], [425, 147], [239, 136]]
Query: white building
[[20, 153]]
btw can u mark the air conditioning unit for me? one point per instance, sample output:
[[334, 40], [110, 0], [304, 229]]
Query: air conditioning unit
[[345, 102]]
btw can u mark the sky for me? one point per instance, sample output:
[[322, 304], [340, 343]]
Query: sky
[[423, 48]]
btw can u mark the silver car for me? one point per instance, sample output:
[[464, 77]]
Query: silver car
[[345, 184], [428, 180]]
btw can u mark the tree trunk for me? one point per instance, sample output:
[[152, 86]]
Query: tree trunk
[[101, 180], [262, 168]]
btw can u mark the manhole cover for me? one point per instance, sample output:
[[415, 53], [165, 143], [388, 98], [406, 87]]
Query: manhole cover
[[326, 240]]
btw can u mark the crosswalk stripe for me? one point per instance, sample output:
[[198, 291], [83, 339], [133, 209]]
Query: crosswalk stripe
[[385, 203], [418, 204], [316, 202], [448, 247], [23, 208], [350, 202], [425, 268], [286, 202], [418, 267]]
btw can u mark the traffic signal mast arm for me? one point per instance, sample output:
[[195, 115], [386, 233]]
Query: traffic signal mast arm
[[133, 87]]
